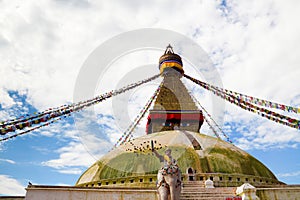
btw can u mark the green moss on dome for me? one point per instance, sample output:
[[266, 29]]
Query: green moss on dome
[[189, 158], [215, 157], [127, 164], [230, 161]]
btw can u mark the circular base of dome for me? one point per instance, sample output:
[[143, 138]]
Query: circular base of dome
[[200, 157]]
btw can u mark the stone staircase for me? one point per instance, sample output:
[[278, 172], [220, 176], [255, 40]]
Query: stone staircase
[[195, 190]]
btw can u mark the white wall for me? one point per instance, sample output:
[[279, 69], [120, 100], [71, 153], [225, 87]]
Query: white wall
[[73, 193]]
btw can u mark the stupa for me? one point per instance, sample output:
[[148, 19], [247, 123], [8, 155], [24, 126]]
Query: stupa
[[174, 122], [211, 168]]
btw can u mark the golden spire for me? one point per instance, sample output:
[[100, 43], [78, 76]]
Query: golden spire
[[173, 107]]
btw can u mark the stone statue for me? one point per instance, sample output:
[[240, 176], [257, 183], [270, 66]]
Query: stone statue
[[168, 177]]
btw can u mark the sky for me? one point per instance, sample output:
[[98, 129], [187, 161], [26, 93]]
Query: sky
[[44, 45]]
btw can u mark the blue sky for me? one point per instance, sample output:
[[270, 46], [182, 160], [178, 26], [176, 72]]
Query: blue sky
[[43, 45]]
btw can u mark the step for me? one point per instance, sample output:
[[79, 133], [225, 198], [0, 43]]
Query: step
[[210, 198], [191, 192], [206, 194]]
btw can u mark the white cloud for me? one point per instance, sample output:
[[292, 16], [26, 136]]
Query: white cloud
[[72, 155], [290, 174], [7, 160], [10, 186], [6, 100], [86, 146], [70, 171]]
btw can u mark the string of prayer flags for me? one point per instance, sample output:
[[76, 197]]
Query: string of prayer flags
[[50, 114], [215, 123], [125, 136], [241, 101], [250, 99]]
